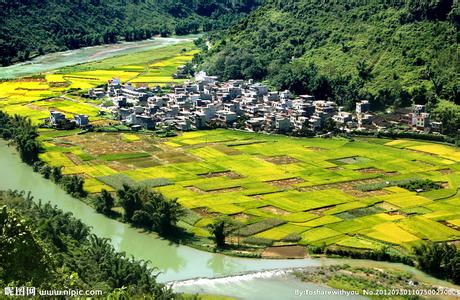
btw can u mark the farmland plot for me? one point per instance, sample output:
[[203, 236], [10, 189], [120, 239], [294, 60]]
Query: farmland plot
[[308, 191]]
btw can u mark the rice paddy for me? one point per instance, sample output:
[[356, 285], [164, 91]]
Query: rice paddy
[[36, 96], [278, 188]]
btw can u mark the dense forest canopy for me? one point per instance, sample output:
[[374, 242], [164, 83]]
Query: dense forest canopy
[[31, 27], [393, 53]]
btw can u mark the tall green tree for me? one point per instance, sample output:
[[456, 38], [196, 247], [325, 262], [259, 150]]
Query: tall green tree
[[104, 202]]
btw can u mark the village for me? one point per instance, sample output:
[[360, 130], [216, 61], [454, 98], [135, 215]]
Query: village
[[206, 102]]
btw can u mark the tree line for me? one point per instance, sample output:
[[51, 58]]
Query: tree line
[[23, 134], [44, 247], [143, 208], [33, 27], [406, 55]]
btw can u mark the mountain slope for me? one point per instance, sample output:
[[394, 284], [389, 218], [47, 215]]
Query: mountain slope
[[31, 27], [392, 52]]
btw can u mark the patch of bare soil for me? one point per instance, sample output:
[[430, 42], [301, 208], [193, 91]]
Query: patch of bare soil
[[204, 212], [280, 160], [175, 157], [335, 168], [319, 211], [285, 183], [285, 252], [422, 162], [349, 187], [105, 143], [31, 79], [59, 84], [444, 185], [36, 108], [387, 206], [226, 190], [396, 213], [226, 150], [421, 152], [195, 189], [371, 171], [274, 210], [241, 217], [450, 225], [228, 174], [117, 166], [446, 171], [75, 159], [315, 148]]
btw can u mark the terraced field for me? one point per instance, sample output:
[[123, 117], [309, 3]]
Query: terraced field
[[36, 96], [281, 190]]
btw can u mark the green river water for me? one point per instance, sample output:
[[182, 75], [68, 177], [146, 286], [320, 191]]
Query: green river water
[[58, 60], [188, 269]]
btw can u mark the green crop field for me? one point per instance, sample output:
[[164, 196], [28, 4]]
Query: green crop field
[[275, 189], [35, 97], [313, 195]]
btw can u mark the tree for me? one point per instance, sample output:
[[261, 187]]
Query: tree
[[104, 202], [218, 232], [449, 114], [23, 257], [130, 201], [148, 209], [74, 185], [439, 259], [56, 174], [364, 70]]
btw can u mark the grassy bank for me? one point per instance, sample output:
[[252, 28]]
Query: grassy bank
[[374, 282]]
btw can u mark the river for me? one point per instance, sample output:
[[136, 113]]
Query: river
[[58, 60], [188, 269]]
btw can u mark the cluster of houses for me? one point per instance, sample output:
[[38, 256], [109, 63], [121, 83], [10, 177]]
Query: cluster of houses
[[236, 103], [59, 120]]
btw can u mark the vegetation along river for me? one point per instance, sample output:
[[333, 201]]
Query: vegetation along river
[[58, 60], [190, 269]]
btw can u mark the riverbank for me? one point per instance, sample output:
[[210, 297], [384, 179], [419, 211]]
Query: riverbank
[[52, 61], [375, 282]]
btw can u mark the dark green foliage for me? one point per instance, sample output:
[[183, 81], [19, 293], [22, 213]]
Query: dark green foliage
[[360, 212], [381, 255], [31, 27], [409, 184], [449, 114], [292, 238], [73, 185], [218, 232], [23, 134], [260, 226], [149, 210], [392, 53], [69, 250], [22, 256], [424, 185], [257, 241], [441, 260], [104, 202], [56, 174]]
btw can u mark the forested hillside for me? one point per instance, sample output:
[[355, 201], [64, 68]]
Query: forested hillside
[[31, 27], [392, 52]]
